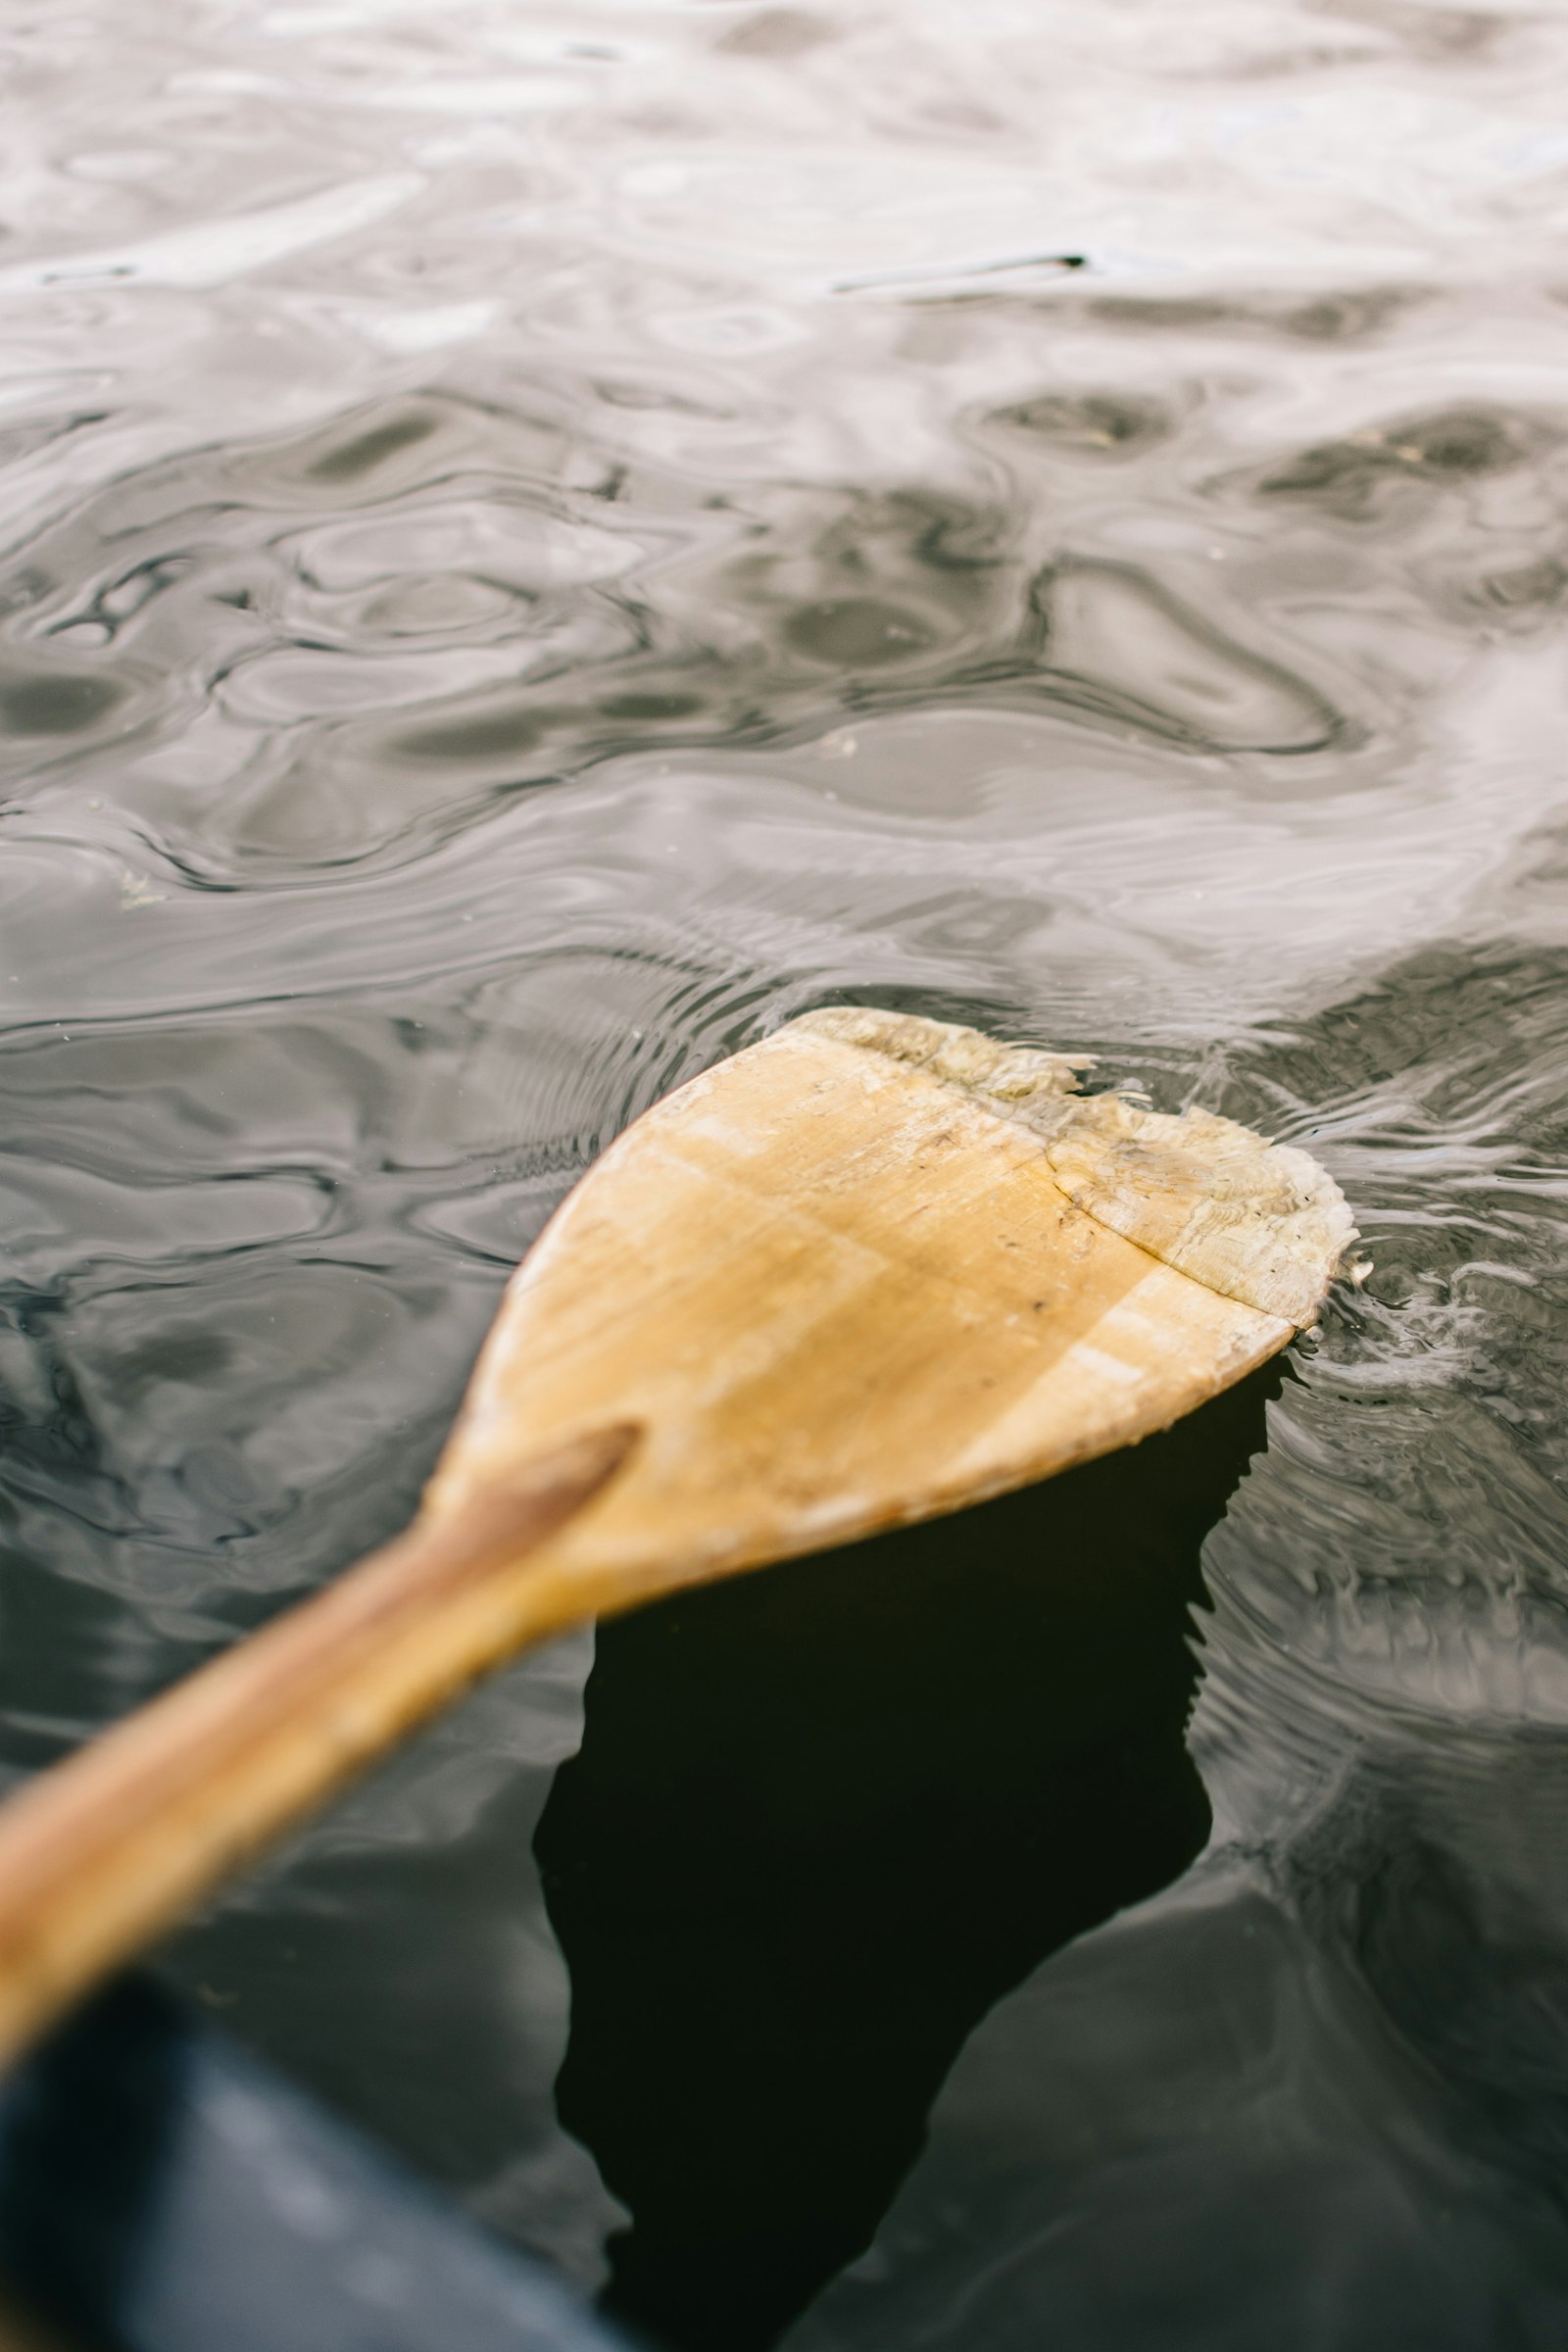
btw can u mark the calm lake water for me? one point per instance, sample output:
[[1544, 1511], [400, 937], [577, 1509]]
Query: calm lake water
[[538, 544]]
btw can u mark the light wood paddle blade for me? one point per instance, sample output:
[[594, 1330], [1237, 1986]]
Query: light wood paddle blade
[[873, 1269]]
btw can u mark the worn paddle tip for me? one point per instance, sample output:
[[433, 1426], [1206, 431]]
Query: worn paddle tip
[[1253, 1221], [1010, 1076]]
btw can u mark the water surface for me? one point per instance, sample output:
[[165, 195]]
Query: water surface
[[538, 544]]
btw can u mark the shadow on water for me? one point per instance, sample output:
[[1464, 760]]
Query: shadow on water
[[823, 1818]]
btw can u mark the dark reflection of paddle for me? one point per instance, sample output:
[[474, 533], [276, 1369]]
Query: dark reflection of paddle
[[821, 1820]]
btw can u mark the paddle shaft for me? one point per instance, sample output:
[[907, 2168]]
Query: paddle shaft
[[105, 1851]]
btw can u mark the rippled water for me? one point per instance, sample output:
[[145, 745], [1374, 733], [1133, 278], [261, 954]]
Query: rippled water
[[538, 544]]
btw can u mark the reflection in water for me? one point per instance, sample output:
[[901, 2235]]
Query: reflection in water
[[1443, 1890], [1326, 2044], [1446, 451], [823, 1817]]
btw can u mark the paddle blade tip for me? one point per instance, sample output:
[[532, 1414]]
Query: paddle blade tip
[[1258, 1222]]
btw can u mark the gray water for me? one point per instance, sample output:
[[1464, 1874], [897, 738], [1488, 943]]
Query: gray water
[[538, 544]]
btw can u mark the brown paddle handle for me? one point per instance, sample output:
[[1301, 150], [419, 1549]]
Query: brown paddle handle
[[106, 1850]]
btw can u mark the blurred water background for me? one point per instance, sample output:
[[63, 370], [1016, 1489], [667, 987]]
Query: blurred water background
[[539, 542]]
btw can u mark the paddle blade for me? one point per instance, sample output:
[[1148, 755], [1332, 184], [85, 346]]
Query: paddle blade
[[873, 1268]]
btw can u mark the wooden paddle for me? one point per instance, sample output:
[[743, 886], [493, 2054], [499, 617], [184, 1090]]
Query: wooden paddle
[[873, 1269]]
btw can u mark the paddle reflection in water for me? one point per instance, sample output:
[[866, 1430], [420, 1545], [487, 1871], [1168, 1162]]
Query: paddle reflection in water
[[1325, 2042], [823, 1818]]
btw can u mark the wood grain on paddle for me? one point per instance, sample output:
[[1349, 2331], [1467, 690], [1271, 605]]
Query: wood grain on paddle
[[870, 1269]]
